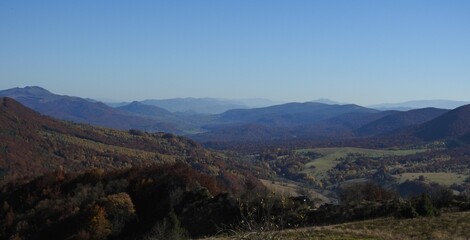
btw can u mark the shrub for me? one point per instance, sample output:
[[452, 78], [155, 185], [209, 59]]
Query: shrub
[[168, 228], [424, 206]]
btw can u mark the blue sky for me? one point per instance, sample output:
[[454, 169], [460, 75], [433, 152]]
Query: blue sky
[[364, 52]]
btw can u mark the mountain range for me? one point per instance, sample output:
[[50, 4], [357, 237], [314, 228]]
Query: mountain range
[[403, 106], [83, 110], [192, 106], [309, 120]]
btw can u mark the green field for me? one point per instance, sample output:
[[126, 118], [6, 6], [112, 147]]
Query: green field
[[331, 156], [439, 177]]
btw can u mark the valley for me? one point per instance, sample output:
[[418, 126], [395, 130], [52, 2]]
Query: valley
[[297, 164], [249, 120]]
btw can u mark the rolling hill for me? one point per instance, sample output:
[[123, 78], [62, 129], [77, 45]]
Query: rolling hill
[[398, 120], [453, 124]]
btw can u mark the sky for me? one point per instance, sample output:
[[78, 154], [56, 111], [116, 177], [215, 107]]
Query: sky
[[356, 51]]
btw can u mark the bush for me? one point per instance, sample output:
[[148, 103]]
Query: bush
[[424, 206], [168, 228], [356, 193]]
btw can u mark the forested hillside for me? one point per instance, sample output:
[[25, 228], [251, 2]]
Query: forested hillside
[[32, 144]]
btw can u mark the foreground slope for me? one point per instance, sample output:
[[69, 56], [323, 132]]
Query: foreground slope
[[31, 144], [447, 226]]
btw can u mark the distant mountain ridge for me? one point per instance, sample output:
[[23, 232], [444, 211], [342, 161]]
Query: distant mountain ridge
[[327, 101], [290, 120], [145, 110], [291, 113], [308, 120], [81, 110], [203, 105], [443, 104], [195, 105]]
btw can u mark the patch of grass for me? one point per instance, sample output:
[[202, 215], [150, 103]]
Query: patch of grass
[[293, 190], [282, 188], [331, 156], [447, 226], [444, 178]]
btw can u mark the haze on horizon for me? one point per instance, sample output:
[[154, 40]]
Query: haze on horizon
[[364, 52]]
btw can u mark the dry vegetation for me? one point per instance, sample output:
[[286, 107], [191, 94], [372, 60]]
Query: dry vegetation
[[447, 226]]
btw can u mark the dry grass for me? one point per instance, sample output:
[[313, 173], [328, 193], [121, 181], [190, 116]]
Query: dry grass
[[291, 189], [447, 226]]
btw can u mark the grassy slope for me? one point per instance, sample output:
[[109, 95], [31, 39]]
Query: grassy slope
[[294, 190], [447, 226]]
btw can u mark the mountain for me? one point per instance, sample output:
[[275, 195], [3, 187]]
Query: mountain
[[354, 120], [32, 144], [453, 124], [256, 102], [287, 121], [83, 111], [444, 104], [189, 106], [290, 114], [326, 101], [195, 105], [145, 110], [397, 120], [179, 122]]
